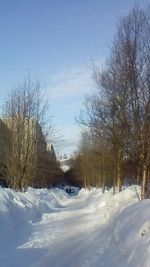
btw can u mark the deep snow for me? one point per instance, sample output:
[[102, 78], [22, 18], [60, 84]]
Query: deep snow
[[48, 228]]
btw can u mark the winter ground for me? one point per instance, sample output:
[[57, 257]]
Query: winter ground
[[48, 228]]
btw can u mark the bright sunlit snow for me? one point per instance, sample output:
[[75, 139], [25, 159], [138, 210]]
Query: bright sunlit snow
[[44, 228]]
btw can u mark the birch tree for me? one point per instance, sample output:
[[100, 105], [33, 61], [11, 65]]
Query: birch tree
[[24, 115], [118, 113]]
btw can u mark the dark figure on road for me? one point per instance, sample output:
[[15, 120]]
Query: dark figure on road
[[68, 190]]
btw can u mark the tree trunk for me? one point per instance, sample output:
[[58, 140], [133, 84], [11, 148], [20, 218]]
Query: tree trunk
[[119, 182], [144, 182]]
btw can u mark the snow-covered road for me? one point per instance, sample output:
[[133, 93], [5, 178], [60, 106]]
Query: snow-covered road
[[47, 228]]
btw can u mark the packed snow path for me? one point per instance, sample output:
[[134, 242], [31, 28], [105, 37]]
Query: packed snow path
[[47, 228]]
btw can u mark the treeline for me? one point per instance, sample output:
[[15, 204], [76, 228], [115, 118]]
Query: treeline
[[115, 145], [25, 130]]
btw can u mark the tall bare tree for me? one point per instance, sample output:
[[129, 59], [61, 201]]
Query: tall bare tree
[[24, 115], [118, 113]]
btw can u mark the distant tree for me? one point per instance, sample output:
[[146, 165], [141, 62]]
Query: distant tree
[[5, 147]]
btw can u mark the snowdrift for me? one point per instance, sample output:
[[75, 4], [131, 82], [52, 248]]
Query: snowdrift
[[42, 228]]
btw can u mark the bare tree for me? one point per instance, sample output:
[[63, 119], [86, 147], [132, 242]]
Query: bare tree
[[117, 115], [24, 115]]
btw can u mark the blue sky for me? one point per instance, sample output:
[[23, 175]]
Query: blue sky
[[56, 41]]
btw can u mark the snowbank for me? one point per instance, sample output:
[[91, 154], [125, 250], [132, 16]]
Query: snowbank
[[42, 228]]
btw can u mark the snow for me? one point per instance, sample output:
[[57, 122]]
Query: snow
[[43, 228]]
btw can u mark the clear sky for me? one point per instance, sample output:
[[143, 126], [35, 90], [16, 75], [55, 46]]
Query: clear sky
[[56, 40]]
